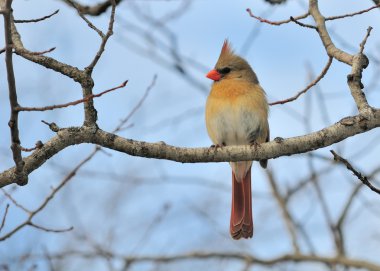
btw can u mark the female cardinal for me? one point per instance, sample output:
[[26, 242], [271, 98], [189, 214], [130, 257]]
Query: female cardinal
[[237, 114]]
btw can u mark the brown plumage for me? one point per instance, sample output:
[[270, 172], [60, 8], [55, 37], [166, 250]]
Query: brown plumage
[[237, 114]]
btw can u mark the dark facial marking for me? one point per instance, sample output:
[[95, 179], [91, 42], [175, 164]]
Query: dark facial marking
[[224, 70]]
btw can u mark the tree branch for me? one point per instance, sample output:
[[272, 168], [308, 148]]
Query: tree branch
[[262, 20], [360, 176], [313, 83], [337, 132], [352, 14], [86, 99], [325, 37], [38, 19], [247, 258], [94, 10], [22, 178]]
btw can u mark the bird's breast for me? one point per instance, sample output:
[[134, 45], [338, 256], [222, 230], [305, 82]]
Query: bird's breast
[[236, 114]]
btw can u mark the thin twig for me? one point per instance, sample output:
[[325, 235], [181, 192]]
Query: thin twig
[[359, 175], [4, 217], [303, 16], [302, 24], [362, 44], [105, 38], [28, 221], [288, 219], [343, 215], [38, 145], [18, 205], [351, 14], [89, 23], [52, 107], [313, 83], [42, 52], [94, 10], [36, 20], [137, 106], [48, 229]]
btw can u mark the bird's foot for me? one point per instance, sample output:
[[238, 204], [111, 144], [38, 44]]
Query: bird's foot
[[216, 146], [255, 145]]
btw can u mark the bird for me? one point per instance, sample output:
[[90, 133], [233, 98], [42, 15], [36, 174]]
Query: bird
[[237, 114]]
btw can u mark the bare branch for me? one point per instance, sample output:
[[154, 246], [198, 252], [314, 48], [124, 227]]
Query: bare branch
[[76, 135], [303, 16], [325, 37], [288, 219], [37, 20], [359, 175], [52, 107], [302, 24], [89, 23], [45, 61], [360, 62], [32, 214], [22, 178], [137, 106], [43, 52], [351, 14], [343, 215], [105, 38], [4, 217], [18, 205], [362, 44], [94, 10], [49, 230], [313, 83], [247, 258], [38, 145]]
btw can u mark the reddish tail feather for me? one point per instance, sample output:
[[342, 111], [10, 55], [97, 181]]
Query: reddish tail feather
[[241, 223]]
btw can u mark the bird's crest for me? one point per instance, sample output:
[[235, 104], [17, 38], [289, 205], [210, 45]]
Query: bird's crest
[[226, 48]]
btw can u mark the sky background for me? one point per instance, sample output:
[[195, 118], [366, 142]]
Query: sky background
[[139, 206]]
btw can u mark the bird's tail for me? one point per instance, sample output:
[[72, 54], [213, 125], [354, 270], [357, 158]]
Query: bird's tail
[[241, 223]]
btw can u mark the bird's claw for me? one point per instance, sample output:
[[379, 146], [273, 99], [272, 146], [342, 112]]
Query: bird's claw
[[216, 146], [255, 145]]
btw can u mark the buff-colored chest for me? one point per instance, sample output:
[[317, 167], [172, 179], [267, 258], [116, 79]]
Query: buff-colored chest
[[236, 113]]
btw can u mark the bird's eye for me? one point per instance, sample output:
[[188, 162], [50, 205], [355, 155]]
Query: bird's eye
[[224, 70]]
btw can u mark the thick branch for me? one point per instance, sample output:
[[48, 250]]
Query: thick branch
[[337, 132], [325, 37], [48, 62]]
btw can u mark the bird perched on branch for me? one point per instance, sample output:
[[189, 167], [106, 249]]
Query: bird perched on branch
[[237, 114]]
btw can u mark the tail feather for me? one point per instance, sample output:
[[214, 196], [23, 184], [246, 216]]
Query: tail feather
[[241, 223]]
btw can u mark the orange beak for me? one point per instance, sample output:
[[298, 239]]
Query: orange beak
[[214, 75]]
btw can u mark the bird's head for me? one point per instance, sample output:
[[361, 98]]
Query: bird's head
[[231, 66]]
